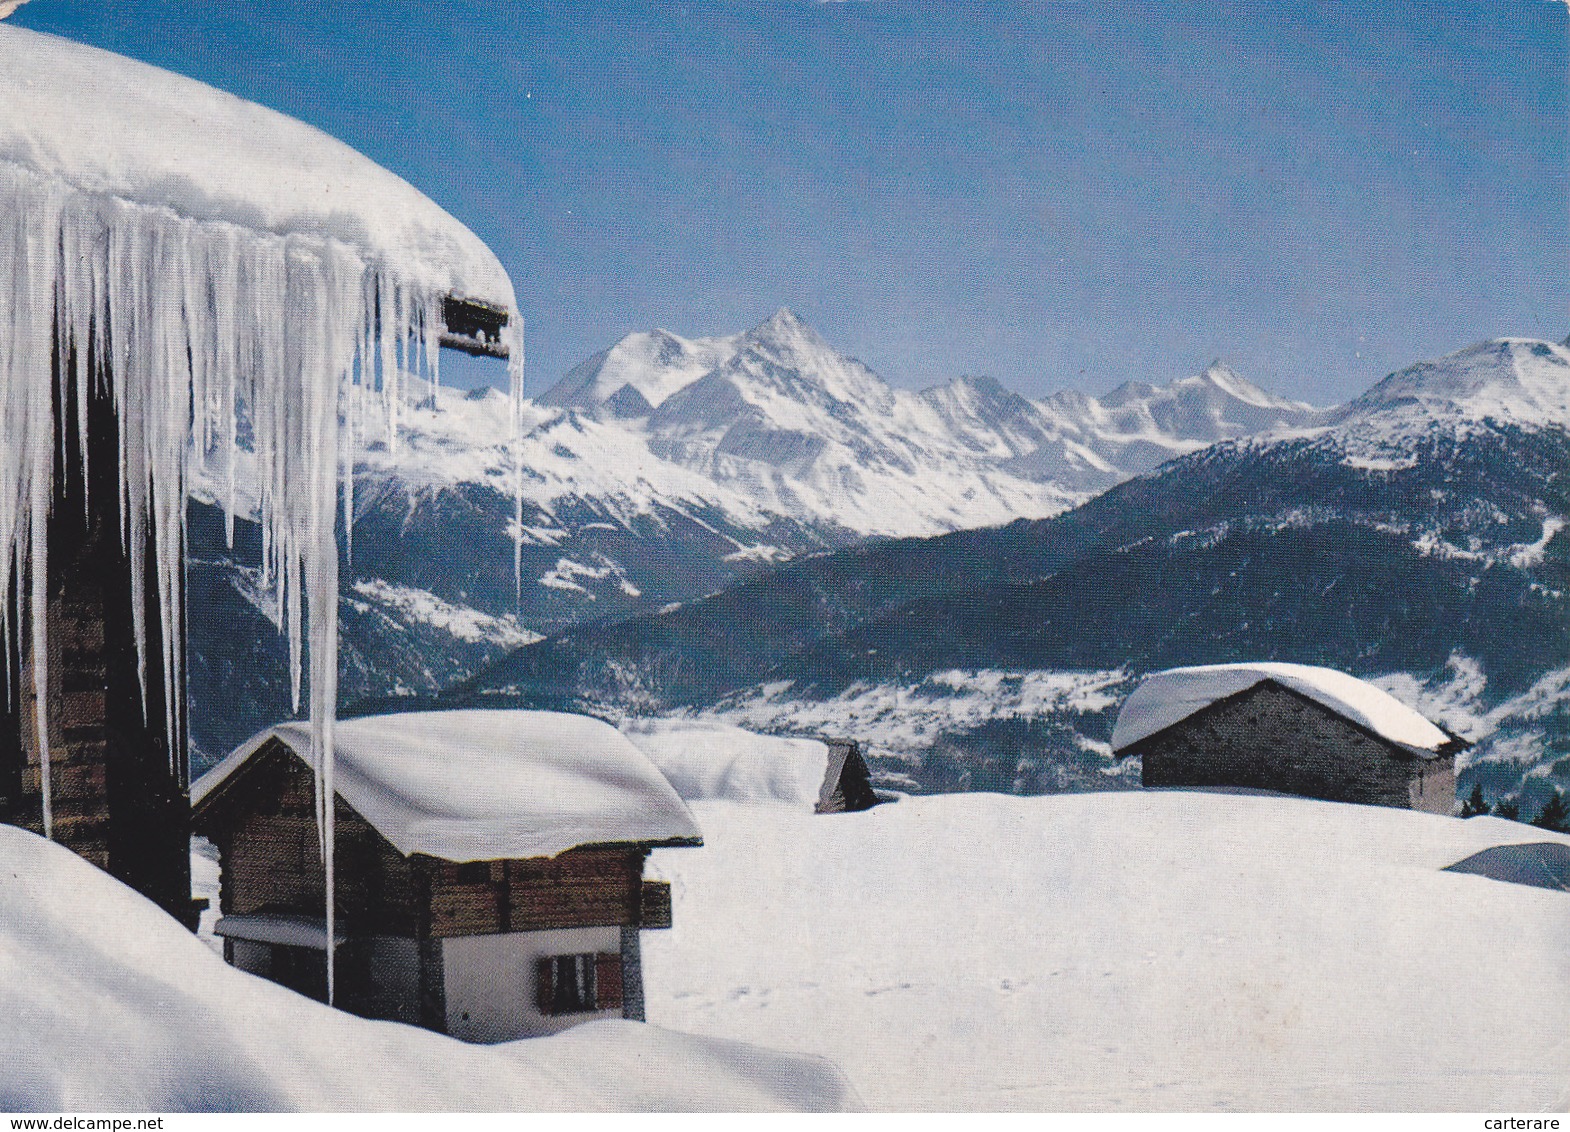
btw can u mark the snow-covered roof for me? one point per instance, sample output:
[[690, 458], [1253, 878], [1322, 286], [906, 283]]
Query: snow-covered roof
[[278, 927], [104, 124], [487, 785], [1164, 698], [705, 760]]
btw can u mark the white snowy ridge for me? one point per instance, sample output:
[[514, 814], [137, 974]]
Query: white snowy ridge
[[211, 261]]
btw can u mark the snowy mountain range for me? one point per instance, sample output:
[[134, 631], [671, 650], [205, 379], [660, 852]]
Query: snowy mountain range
[[779, 416], [655, 472], [1414, 536]]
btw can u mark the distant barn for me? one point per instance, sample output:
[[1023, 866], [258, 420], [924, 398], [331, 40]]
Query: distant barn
[[489, 876], [847, 784], [709, 761], [1288, 729]]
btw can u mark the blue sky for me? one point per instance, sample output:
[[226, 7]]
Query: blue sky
[[1056, 194]]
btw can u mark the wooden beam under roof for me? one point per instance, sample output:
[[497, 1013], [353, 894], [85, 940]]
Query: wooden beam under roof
[[474, 326]]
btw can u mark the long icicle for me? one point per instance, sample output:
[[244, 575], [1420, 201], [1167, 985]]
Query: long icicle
[[208, 336]]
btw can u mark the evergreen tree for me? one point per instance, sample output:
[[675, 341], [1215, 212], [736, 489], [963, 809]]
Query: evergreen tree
[[1555, 815], [1508, 808], [1474, 804]]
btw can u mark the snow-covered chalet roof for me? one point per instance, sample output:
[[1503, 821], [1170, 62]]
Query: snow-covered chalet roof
[[486, 785], [1164, 698], [100, 123], [704, 760]]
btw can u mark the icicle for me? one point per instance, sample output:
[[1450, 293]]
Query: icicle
[[208, 336], [38, 542], [515, 334], [434, 320]]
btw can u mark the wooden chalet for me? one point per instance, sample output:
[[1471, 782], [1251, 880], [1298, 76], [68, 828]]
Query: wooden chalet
[[489, 867], [706, 760], [1287, 729]]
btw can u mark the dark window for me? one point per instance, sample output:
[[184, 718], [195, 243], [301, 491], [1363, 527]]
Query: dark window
[[301, 969], [578, 984], [474, 872]]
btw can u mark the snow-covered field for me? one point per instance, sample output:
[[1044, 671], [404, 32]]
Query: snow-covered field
[[106, 1004], [1145, 951]]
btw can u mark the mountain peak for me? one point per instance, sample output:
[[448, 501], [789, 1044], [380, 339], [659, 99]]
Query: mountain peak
[[649, 365], [980, 382], [1219, 375], [1522, 380], [783, 326], [783, 317]]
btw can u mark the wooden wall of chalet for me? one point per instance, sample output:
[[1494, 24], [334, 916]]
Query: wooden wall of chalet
[[117, 798], [847, 783], [1269, 737], [589, 887], [271, 859]]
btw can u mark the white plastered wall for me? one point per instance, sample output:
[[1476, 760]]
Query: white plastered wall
[[490, 981]]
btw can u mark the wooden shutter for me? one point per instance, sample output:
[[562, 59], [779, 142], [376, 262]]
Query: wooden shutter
[[607, 981], [655, 910], [545, 985]]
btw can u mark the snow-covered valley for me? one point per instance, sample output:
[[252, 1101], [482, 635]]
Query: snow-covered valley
[[1043, 731], [1145, 951], [1416, 540], [1137, 950]]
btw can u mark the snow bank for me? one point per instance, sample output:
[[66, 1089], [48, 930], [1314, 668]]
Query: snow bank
[[483, 785], [706, 761], [1164, 698], [1149, 951], [111, 126], [108, 1005]]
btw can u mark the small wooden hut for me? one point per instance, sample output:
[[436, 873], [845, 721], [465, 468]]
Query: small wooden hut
[[489, 867], [1288, 729]]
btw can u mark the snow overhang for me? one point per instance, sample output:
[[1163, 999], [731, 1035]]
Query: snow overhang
[[102, 124], [278, 928]]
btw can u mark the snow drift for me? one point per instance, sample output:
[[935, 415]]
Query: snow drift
[[106, 1004], [1148, 951]]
